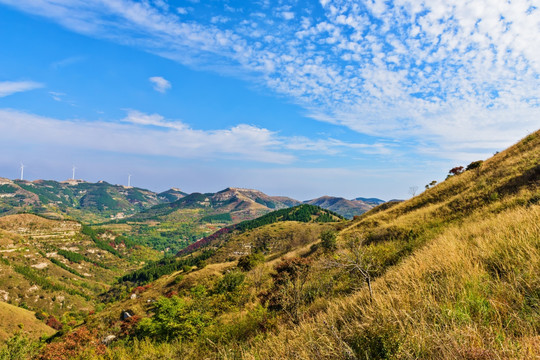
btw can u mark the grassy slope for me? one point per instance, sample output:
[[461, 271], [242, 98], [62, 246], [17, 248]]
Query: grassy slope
[[14, 319], [288, 238], [471, 292], [455, 276]]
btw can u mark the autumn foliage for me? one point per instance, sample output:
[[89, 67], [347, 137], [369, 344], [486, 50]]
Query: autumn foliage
[[73, 345], [54, 323]]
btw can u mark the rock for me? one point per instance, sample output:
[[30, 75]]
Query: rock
[[108, 339], [125, 315]]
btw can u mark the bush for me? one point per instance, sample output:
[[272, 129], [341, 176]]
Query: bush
[[40, 315], [474, 165], [456, 170], [328, 240], [230, 282], [249, 262], [73, 346], [54, 323], [173, 318], [288, 293], [18, 347]]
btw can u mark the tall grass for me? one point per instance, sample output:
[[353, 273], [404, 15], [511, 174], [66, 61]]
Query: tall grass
[[472, 293]]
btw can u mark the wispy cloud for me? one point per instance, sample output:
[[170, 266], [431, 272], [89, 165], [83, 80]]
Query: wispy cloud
[[12, 87], [67, 62], [57, 96], [152, 134], [446, 72], [160, 84]]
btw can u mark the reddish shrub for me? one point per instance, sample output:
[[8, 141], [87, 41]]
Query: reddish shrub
[[141, 289], [457, 170], [54, 323], [73, 345], [127, 326]]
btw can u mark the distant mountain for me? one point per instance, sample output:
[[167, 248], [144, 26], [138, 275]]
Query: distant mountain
[[171, 195], [77, 198], [239, 204], [344, 207], [371, 201]]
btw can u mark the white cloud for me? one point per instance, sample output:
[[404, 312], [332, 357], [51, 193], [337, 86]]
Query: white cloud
[[287, 15], [151, 134], [160, 84], [12, 87], [445, 71]]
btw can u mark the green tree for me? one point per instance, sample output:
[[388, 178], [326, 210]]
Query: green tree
[[328, 240], [174, 318]]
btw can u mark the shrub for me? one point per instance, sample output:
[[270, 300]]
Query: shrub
[[18, 347], [74, 345], [54, 323], [288, 292], [474, 165], [173, 318], [456, 170], [40, 315], [328, 240], [230, 282], [249, 262]]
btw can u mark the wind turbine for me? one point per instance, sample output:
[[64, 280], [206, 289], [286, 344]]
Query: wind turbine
[[22, 171], [129, 180], [73, 176]]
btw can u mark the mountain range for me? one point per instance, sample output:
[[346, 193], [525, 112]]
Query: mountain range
[[101, 201]]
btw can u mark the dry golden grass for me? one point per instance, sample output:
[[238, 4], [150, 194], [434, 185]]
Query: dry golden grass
[[28, 222], [14, 319], [470, 294]]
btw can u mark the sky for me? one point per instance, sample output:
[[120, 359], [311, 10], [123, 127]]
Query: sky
[[296, 98]]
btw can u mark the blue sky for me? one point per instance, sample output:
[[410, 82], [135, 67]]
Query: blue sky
[[297, 98]]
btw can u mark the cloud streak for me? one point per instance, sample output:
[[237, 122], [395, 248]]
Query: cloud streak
[[151, 134], [11, 87]]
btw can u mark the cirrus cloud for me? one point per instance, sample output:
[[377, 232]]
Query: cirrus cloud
[[151, 134], [11, 87]]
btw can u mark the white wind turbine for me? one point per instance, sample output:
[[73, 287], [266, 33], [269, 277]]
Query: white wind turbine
[[22, 171], [73, 175], [129, 180]]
